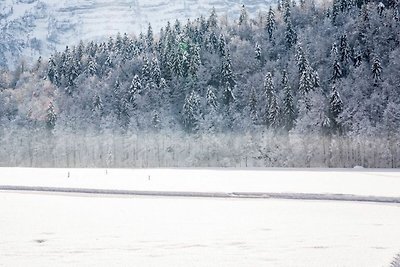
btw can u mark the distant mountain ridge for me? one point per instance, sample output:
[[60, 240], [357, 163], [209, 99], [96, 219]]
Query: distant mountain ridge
[[30, 28]]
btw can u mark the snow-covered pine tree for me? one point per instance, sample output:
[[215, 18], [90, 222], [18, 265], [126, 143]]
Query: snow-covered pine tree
[[92, 67], [288, 103], [258, 52], [336, 107], [212, 21], [228, 96], [269, 91], [376, 69], [195, 60], [134, 90], [344, 49], [211, 98], [222, 45], [287, 13], [97, 104], [290, 34], [146, 71], [337, 70], [243, 17], [155, 71], [149, 37], [51, 117], [271, 24], [191, 112]]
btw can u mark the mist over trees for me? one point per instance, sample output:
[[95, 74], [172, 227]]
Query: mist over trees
[[300, 85]]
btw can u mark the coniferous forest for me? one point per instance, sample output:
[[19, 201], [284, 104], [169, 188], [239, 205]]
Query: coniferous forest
[[301, 84]]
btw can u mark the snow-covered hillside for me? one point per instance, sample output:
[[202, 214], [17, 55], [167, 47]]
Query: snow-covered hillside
[[38, 27]]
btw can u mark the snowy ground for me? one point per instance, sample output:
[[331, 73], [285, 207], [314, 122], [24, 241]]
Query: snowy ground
[[49, 230], [40, 229]]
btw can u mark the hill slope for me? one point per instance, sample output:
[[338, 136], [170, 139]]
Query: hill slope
[[34, 27]]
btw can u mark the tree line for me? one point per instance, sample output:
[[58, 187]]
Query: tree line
[[322, 78]]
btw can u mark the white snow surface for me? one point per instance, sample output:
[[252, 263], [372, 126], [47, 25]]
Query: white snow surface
[[365, 182], [46, 229], [59, 230]]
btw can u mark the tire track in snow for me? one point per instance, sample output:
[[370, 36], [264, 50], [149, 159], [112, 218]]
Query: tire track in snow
[[252, 195]]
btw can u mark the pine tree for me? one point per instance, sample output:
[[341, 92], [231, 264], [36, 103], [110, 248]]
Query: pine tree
[[146, 72], [290, 35], [191, 112], [156, 121], [222, 45], [212, 103], [243, 18], [376, 70], [288, 103], [273, 111], [118, 44], [155, 71], [258, 52], [149, 37], [51, 70], [272, 108], [97, 104], [335, 10], [195, 60], [344, 49], [268, 93], [227, 73], [92, 67], [213, 19], [307, 81], [286, 11], [134, 90], [336, 106], [337, 70], [271, 24], [51, 117]]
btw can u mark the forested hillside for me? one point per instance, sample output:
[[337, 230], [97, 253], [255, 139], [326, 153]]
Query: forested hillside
[[300, 85]]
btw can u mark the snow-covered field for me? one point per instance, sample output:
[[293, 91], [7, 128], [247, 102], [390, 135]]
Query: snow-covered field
[[58, 230], [43, 229]]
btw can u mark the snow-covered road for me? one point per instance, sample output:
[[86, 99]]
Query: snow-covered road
[[384, 183], [49, 230]]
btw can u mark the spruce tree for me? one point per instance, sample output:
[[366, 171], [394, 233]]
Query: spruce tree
[[243, 18], [92, 67], [271, 24], [258, 52], [51, 117], [191, 112], [212, 19], [155, 71], [376, 70], [149, 37], [288, 103], [134, 90], [146, 72], [195, 60], [336, 106], [211, 98], [290, 34]]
